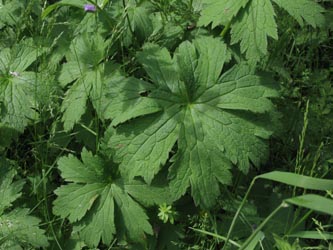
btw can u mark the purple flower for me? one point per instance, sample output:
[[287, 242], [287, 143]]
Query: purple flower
[[89, 8]]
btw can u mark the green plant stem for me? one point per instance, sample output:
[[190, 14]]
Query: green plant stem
[[225, 29], [300, 221], [216, 236], [237, 213], [247, 242], [128, 20]]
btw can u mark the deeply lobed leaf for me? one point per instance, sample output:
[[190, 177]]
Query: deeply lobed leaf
[[252, 22], [93, 200], [203, 115]]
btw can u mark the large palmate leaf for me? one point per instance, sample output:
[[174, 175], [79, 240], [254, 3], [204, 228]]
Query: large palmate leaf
[[17, 86], [210, 120], [17, 227], [98, 205], [253, 21]]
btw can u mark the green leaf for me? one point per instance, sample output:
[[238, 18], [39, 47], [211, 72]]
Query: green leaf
[[241, 89], [133, 216], [201, 121], [282, 244], [204, 172], [312, 235], [144, 153], [147, 195], [220, 12], [252, 21], [11, 12], [77, 199], [313, 202], [254, 242], [139, 17], [210, 63], [122, 99], [10, 190], [253, 27], [20, 228], [17, 86], [98, 204], [17, 227], [304, 10], [52, 7], [297, 180], [159, 66], [74, 104], [84, 68], [100, 222]]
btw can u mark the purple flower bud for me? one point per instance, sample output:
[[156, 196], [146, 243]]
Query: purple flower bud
[[89, 8]]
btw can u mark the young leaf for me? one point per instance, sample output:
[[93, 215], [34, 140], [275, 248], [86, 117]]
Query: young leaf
[[92, 201], [207, 115]]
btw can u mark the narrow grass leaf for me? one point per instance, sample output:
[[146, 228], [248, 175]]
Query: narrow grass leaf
[[254, 242], [313, 202], [299, 180], [312, 235], [217, 236]]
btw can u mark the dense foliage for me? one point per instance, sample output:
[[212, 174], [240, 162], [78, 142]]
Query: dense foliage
[[166, 124]]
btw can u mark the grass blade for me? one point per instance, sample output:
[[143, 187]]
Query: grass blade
[[313, 202], [215, 236], [298, 180], [312, 235]]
